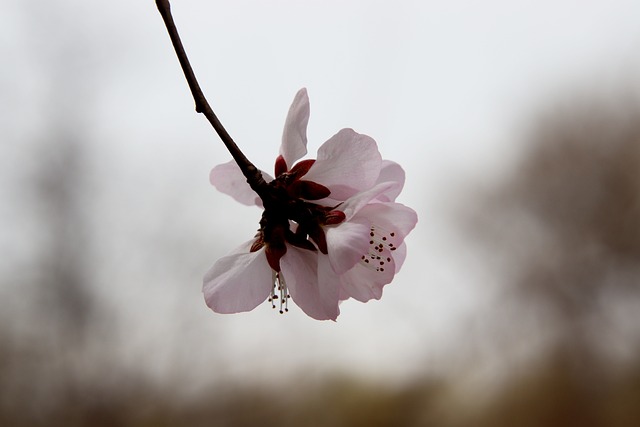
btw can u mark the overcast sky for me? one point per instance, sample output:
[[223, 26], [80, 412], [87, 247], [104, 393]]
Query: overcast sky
[[445, 88]]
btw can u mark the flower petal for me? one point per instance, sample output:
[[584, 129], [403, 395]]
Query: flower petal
[[390, 223], [366, 280], [351, 206], [391, 172], [399, 256], [228, 179], [347, 163], [238, 282], [329, 285], [294, 136], [346, 243], [394, 218], [300, 269]]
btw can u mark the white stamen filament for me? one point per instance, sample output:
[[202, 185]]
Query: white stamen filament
[[282, 295]]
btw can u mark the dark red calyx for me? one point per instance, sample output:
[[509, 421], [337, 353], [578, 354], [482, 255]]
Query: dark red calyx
[[275, 251], [308, 190], [275, 246], [316, 233], [300, 240], [334, 217], [281, 166], [258, 244], [301, 168]]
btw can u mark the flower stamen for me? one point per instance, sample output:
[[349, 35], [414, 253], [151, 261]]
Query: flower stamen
[[282, 295], [378, 257]]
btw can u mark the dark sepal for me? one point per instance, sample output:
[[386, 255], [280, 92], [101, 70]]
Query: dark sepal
[[301, 168], [258, 244], [281, 166], [300, 240], [308, 190], [334, 217], [274, 252], [316, 233]]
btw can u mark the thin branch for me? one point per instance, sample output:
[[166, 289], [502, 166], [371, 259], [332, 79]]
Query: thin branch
[[253, 174]]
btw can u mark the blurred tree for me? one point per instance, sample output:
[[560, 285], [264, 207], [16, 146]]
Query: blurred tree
[[63, 267], [565, 230], [53, 311], [567, 221]]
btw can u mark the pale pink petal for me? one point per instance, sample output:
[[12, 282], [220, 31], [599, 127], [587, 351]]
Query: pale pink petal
[[367, 278], [395, 220], [351, 206], [329, 285], [389, 224], [399, 256], [346, 242], [347, 163], [344, 295], [294, 136], [391, 172], [300, 270], [228, 179], [238, 282]]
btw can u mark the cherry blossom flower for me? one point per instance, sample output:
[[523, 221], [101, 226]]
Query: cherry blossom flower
[[330, 229]]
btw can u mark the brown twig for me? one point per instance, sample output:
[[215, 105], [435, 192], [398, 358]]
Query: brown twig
[[253, 174]]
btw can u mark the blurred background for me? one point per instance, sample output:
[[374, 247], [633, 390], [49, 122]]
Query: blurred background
[[518, 125]]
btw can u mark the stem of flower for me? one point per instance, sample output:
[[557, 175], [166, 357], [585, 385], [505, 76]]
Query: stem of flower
[[253, 174]]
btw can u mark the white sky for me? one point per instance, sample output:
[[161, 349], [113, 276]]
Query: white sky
[[442, 86]]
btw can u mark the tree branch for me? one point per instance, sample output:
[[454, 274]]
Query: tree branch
[[253, 174]]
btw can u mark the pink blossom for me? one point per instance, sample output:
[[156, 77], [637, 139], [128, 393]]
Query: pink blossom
[[331, 231]]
